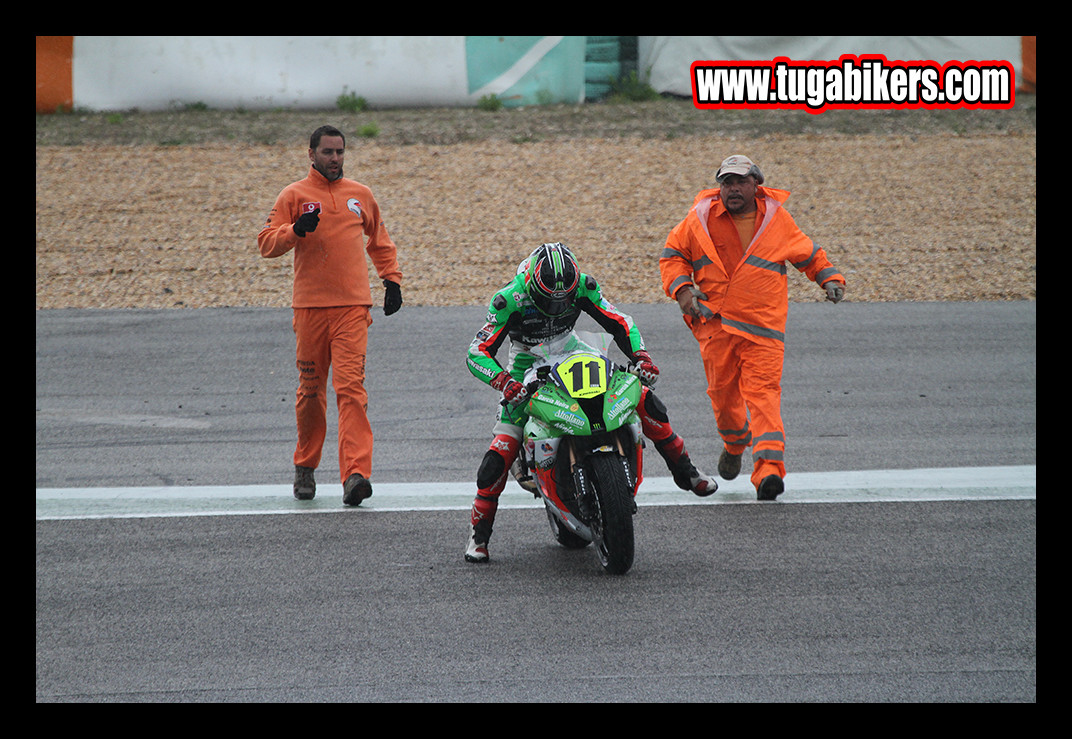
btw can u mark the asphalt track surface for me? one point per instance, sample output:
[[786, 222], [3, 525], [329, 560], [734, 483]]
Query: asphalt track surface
[[173, 565]]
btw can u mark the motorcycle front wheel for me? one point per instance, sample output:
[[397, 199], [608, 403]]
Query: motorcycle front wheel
[[614, 521]]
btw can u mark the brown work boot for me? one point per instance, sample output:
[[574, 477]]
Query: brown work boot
[[355, 489], [729, 465], [304, 485]]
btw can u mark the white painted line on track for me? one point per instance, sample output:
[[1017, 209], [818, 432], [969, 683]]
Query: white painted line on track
[[860, 486]]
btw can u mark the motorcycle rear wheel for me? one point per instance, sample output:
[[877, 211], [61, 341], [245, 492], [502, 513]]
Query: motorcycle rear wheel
[[614, 522]]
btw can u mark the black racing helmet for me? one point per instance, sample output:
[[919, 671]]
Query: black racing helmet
[[552, 278]]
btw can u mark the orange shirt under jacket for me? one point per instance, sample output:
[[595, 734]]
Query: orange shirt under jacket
[[329, 263], [751, 297]]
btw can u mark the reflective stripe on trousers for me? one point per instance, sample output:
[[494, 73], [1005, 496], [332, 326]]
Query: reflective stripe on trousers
[[744, 382]]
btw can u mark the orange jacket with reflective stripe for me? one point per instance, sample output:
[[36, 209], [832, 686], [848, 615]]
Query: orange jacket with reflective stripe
[[752, 298], [329, 263]]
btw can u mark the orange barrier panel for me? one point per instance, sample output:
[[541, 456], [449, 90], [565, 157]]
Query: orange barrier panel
[[54, 86], [1027, 74]]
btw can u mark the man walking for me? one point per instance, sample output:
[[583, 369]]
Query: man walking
[[330, 223], [725, 264]]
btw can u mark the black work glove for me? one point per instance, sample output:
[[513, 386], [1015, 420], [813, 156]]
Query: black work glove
[[392, 300], [307, 222]]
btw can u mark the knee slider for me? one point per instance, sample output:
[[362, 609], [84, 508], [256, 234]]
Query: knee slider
[[491, 469], [655, 408]]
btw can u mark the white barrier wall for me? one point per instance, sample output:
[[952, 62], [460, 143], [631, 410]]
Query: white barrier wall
[[264, 72]]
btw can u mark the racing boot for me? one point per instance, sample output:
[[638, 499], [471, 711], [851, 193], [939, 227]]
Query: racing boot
[[476, 551], [686, 475], [729, 465], [304, 484], [356, 489], [700, 482], [481, 518], [655, 424]]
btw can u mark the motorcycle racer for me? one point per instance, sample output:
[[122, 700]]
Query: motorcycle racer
[[544, 300]]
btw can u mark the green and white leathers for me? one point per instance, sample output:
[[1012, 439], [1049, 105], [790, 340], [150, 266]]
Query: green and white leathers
[[513, 315]]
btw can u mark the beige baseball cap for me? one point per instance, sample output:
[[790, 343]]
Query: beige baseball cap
[[737, 164]]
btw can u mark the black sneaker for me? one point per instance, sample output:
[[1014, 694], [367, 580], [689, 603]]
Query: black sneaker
[[729, 465], [356, 489], [304, 484], [770, 487]]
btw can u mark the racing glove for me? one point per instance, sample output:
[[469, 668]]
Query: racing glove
[[307, 223], [512, 390], [392, 300], [835, 291], [644, 368]]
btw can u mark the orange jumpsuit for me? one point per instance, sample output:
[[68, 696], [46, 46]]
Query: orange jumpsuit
[[742, 341], [331, 302]]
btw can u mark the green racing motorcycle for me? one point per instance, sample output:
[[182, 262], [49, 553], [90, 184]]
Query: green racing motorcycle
[[582, 449]]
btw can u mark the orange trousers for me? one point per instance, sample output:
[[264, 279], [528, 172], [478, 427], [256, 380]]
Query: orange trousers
[[333, 339], [745, 379]]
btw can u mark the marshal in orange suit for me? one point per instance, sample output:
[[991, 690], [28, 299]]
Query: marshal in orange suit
[[330, 223], [725, 264]]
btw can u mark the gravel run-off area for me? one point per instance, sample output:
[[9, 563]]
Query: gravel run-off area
[[163, 210]]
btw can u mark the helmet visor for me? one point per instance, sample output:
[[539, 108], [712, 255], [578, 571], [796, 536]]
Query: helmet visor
[[554, 305]]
